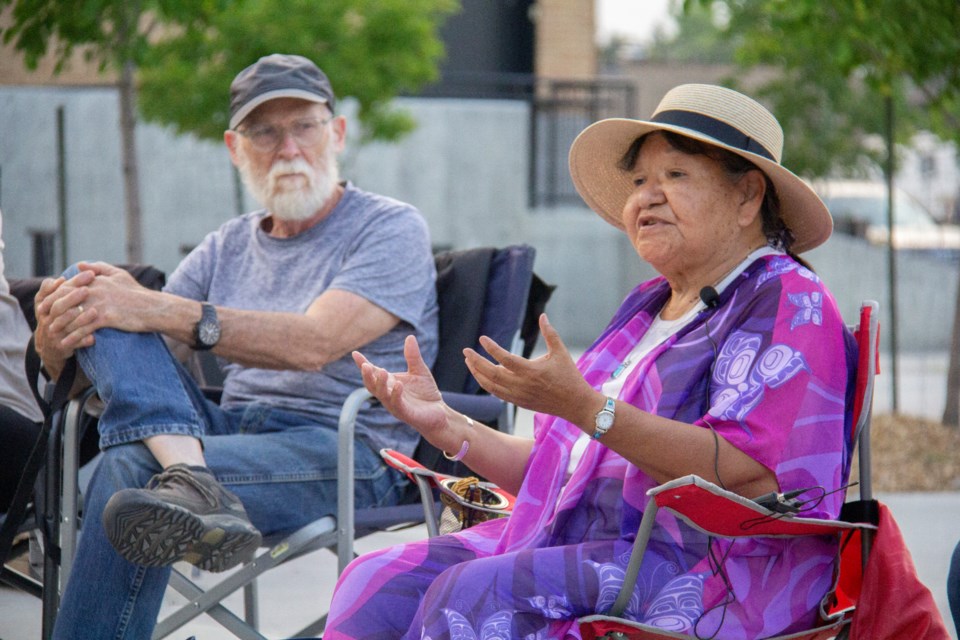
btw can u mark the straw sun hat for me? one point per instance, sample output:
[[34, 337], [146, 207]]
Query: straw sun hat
[[715, 115]]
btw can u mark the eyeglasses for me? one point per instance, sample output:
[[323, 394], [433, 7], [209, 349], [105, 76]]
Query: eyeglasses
[[269, 137]]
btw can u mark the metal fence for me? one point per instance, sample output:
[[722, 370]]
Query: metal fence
[[559, 110]]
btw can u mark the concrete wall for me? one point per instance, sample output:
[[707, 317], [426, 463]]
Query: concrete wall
[[186, 185], [465, 167]]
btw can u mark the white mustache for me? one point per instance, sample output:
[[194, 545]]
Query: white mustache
[[285, 167]]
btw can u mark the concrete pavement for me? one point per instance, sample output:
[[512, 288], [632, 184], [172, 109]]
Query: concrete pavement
[[294, 594]]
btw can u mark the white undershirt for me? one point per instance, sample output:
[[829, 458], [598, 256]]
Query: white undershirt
[[658, 332]]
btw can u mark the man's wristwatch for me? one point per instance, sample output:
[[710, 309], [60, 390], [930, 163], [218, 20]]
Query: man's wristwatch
[[206, 333], [604, 419]]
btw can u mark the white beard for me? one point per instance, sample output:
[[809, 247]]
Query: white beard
[[293, 203]]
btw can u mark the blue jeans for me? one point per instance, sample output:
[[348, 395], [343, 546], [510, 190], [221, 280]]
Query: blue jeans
[[282, 465]]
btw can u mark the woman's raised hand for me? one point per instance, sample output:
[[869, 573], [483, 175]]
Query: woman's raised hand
[[549, 384], [413, 396]]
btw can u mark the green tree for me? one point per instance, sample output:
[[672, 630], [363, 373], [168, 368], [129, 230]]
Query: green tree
[[841, 62], [699, 38], [847, 68], [182, 55], [373, 50]]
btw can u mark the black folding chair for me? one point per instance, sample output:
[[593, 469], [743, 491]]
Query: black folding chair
[[484, 291]]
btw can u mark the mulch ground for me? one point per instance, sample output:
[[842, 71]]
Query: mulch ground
[[914, 454]]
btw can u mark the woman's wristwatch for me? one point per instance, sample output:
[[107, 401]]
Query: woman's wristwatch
[[604, 419]]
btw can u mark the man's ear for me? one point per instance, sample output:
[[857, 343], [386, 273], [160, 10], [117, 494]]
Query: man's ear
[[339, 124], [232, 139]]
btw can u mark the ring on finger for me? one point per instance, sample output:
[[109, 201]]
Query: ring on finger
[[80, 308]]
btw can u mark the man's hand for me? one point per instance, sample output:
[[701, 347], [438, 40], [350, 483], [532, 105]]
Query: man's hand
[[65, 321], [70, 311], [119, 300]]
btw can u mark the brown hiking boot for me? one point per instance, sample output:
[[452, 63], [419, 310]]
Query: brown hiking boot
[[183, 514]]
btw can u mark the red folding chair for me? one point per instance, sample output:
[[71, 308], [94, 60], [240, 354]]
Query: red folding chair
[[877, 595]]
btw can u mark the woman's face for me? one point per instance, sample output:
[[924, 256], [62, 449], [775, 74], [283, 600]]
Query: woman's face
[[687, 216]]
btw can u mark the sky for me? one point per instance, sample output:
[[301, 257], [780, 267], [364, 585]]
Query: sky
[[633, 19]]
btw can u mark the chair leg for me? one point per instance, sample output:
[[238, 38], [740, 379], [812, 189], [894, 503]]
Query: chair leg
[[49, 495], [636, 558], [315, 629], [51, 596], [251, 613], [69, 483], [203, 602]]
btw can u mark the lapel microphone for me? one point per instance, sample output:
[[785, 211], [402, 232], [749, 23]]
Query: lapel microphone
[[710, 297]]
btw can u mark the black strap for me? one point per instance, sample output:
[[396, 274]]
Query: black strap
[[59, 399], [861, 511]]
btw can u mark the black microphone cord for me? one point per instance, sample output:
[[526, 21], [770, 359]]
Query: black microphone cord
[[710, 297]]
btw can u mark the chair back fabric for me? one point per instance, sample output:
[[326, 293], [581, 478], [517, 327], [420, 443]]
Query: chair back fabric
[[461, 293], [482, 291]]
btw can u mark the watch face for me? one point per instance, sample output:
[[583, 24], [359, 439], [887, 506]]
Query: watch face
[[209, 333], [604, 420]]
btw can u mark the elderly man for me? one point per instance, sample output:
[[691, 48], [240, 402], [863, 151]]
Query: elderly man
[[282, 296]]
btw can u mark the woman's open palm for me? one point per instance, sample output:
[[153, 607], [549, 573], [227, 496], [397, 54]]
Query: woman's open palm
[[410, 396]]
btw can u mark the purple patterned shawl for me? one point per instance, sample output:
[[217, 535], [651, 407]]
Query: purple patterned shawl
[[778, 373], [780, 384]]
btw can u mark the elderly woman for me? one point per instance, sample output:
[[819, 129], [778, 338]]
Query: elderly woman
[[734, 365]]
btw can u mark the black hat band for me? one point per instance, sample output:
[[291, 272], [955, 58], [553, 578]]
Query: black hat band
[[716, 129]]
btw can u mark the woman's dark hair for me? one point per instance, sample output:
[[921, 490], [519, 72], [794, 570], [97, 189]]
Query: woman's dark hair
[[778, 235]]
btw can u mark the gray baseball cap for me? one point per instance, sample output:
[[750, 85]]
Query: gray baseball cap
[[277, 76]]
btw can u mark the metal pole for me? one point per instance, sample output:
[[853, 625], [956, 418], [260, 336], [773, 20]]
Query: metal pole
[[534, 161], [61, 188], [891, 255]]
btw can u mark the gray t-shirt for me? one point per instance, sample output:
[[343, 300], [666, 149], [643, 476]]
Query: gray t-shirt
[[370, 245]]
